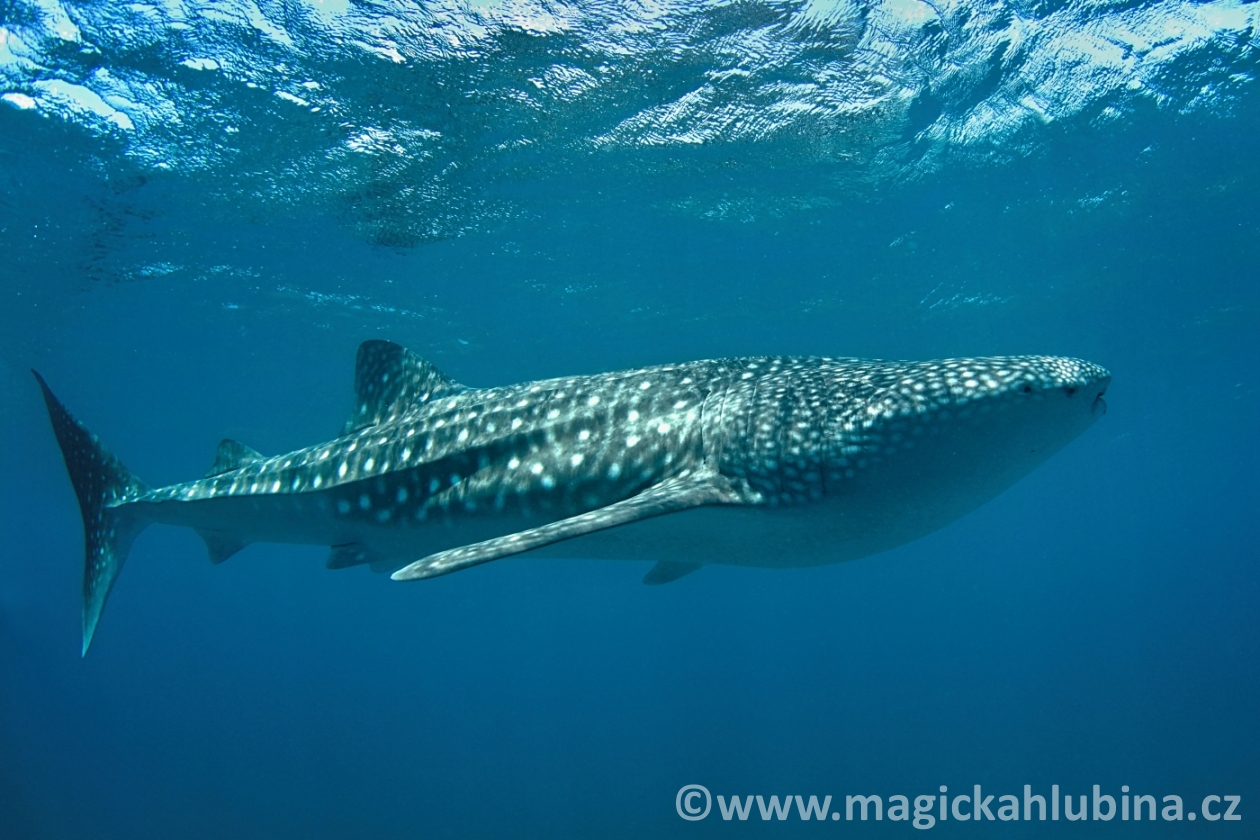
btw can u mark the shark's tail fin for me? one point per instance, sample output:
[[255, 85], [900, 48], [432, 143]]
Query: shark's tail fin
[[103, 486]]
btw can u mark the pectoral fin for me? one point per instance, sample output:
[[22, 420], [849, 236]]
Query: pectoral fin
[[668, 571], [669, 496]]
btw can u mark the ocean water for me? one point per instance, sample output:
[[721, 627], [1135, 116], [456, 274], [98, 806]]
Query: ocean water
[[206, 206]]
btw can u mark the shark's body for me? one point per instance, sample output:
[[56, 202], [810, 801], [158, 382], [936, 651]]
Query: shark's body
[[771, 461]]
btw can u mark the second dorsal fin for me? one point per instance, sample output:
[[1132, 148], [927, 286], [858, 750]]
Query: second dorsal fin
[[390, 381], [232, 455]]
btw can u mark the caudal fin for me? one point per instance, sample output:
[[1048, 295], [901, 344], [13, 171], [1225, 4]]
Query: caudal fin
[[104, 486]]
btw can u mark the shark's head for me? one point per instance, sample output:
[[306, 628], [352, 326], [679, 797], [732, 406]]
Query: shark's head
[[1003, 408], [938, 439]]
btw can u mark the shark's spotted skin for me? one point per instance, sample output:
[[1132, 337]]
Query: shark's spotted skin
[[757, 461]]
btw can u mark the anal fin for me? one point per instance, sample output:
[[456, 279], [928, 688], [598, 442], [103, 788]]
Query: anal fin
[[669, 496], [348, 554], [668, 571], [356, 554], [221, 544]]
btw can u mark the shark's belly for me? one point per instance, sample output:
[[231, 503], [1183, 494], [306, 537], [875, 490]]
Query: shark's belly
[[904, 501], [880, 517], [808, 535], [312, 519], [735, 536]]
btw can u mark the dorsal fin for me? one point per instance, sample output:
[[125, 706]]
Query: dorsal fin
[[232, 455], [390, 381]]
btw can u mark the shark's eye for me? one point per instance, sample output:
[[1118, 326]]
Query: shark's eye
[[1027, 389], [1071, 391]]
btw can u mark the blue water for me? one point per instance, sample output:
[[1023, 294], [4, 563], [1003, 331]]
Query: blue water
[[207, 206]]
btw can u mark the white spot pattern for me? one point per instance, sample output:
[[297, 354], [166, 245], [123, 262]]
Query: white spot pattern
[[790, 429]]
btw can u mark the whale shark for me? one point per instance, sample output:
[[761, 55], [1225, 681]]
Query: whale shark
[[763, 461]]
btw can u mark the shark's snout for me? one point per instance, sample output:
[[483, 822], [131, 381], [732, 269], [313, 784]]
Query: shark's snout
[[1097, 388], [1085, 380]]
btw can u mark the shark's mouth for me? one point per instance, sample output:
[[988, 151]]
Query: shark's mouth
[[1099, 407]]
